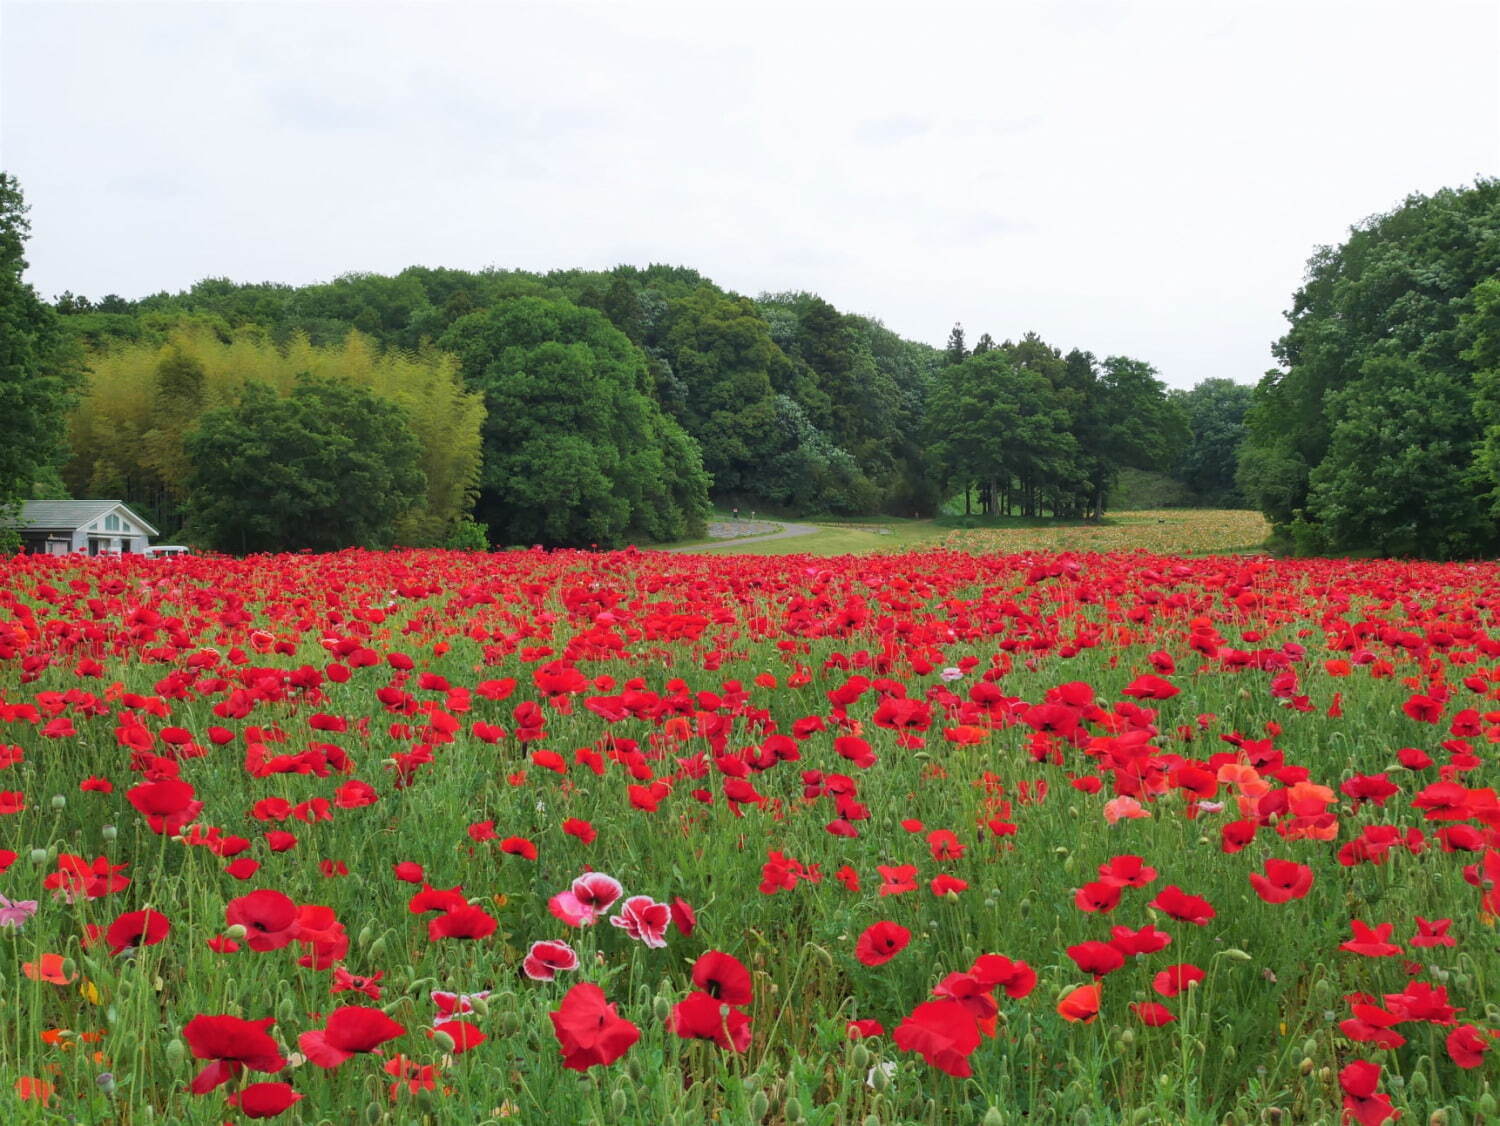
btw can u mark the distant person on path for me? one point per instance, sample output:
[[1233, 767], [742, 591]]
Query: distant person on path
[[736, 515]]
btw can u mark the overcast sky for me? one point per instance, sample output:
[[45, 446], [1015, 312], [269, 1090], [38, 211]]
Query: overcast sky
[[1136, 178]]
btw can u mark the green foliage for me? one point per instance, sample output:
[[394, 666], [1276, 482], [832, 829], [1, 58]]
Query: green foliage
[[1139, 489], [127, 434], [1375, 427], [1215, 412], [39, 367], [328, 466], [576, 451], [468, 535]]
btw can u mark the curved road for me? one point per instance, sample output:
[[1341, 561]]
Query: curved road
[[787, 532]]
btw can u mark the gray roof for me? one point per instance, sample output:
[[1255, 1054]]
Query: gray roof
[[73, 514]]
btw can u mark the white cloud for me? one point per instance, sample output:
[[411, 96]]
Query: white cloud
[[1137, 178]]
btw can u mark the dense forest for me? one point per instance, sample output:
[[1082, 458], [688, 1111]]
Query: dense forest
[[577, 408], [1380, 430]]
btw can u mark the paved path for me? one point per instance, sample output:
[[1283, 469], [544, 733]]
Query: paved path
[[734, 533]]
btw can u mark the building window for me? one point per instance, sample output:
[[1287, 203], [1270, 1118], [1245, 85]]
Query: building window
[[111, 523]]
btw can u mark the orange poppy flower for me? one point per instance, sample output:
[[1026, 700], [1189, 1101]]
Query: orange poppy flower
[[48, 968]]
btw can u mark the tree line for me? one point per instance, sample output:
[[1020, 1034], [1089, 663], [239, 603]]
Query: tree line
[[579, 407], [1379, 431]]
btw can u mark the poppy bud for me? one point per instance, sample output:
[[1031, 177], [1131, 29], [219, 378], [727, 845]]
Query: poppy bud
[[793, 1109], [1419, 1084], [618, 1103], [374, 1113], [1127, 1037], [38, 857], [760, 1106], [366, 933], [993, 1117], [1237, 954], [1306, 1066], [176, 1052], [480, 1005], [662, 1007], [1439, 1117], [1309, 1047], [377, 949], [444, 1042], [859, 1057], [236, 931]]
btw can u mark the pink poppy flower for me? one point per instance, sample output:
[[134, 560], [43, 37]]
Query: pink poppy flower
[[545, 960], [641, 917], [590, 897]]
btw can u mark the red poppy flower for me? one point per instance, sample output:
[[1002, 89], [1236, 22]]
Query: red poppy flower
[[684, 918], [1361, 1103], [136, 928], [1467, 1045], [1174, 979], [944, 1033], [723, 977], [1147, 940], [1126, 871], [1081, 1004], [589, 1031], [264, 1100], [1371, 941], [269, 919], [701, 1016], [1182, 906], [1152, 1013], [1283, 880], [898, 879], [436, 899], [232, 1044], [462, 922], [1097, 897], [463, 1034], [351, 1030], [1097, 958], [881, 942], [1433, 933], [518, 846], [996, 971]]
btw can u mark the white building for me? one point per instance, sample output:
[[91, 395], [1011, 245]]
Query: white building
[[60, 527]]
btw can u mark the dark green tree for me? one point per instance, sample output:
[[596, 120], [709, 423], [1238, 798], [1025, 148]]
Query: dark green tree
[[1215, 411], [1396, 292], [724, 369], [576, 450], [956, 352], [40, 366], [328, 466]]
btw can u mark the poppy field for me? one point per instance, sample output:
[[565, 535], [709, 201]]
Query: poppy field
[[938, 837]]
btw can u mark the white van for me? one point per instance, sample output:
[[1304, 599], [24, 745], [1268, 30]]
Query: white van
[[166, 551]]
